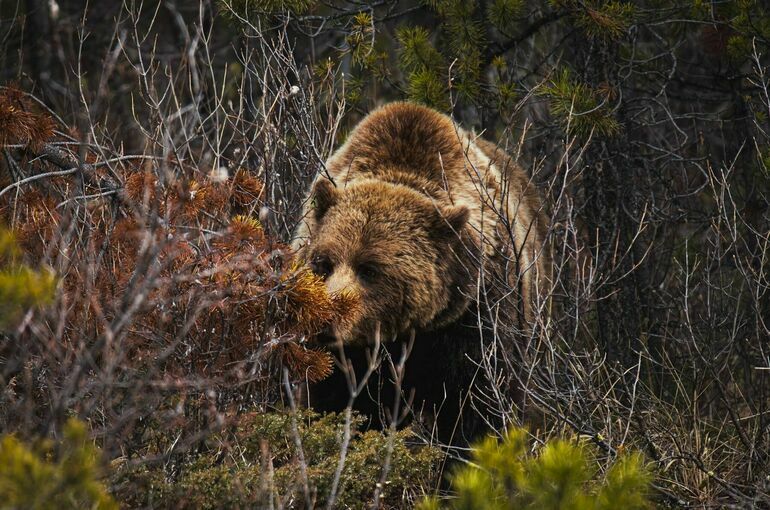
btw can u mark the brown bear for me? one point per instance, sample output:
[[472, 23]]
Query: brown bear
[[441, 236]]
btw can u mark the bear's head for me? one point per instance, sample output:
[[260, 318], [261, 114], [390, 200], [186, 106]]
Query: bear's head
[[392, 247]]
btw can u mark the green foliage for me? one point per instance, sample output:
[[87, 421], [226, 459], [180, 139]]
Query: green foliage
[[9, 251], [365, 59], [732, 28], [427, 87], [463, 38], [463, 32], [600, 18], [360, 39], [255, 9], [416, 52], [354, 86], [751, 24], [562, 475], [424, 66], [501, 13], [264, 464], [506, 96], [580, 108], [52, 476], [464, 35], [21, 287]]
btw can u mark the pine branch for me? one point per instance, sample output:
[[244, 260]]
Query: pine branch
[[498, 49]]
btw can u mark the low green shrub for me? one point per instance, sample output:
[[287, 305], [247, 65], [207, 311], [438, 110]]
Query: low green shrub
[[21, 287], [561, 475], [52, 475], [259, 464]]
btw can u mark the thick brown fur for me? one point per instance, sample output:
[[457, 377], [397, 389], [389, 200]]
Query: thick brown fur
[[420, 218]]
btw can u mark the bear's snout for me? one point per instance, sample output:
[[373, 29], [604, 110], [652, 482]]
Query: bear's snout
[[342, 279]]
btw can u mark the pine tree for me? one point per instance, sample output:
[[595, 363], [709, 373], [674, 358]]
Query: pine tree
[[21, 287], [562, 474], [53, 475]]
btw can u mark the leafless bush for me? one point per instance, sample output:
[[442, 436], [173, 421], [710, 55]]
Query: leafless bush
[[657, 337]]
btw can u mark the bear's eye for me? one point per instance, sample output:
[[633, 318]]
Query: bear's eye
[[368, 272], [321, 265]]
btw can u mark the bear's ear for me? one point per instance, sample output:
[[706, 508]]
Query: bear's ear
[[451, 221], [325, 195]]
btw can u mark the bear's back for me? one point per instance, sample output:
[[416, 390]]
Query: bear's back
[[403, 136]]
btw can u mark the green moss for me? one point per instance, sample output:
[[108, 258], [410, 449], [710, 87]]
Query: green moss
[[264, 465]]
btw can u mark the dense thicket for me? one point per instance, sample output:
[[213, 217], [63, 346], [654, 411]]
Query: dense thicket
[[159, 140]]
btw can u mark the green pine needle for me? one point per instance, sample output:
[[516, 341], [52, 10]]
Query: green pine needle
[[561, 475]]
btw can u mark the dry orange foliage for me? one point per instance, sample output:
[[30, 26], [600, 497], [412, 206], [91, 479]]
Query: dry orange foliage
[[206, 286], [21, 121]]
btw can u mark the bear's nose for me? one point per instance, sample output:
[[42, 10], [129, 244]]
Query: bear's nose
[[341, 279]]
